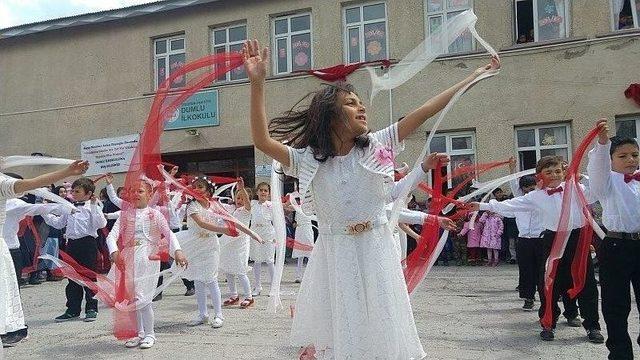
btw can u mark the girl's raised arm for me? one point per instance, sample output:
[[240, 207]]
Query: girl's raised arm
[[255, 64], [411, 122]]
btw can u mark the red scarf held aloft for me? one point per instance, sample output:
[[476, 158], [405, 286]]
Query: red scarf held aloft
[[340, 72]]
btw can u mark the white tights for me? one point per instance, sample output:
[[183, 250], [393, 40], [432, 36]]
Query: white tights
[[257, 270], [201, 297], [145, 322], [244, 282]]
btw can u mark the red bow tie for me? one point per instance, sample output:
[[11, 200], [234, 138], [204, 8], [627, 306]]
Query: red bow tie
[[554, 190], [628, 178]]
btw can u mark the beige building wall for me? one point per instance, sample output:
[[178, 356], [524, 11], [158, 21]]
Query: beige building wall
[[61, 87]]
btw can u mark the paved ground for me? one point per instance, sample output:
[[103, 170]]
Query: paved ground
[[461, 313]]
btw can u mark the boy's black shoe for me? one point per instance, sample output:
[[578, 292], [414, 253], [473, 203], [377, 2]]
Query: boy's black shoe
[[595, 336], [90, 316], [190, 292], [66, 317], [528, 305], [574, 322], [547, 335]]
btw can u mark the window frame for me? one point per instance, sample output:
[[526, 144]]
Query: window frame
[[275, 37], [227, 44], [166, 56], [360, 25], [538, 147], [443, 13], [536, 36], [449, 135], [634, 13]]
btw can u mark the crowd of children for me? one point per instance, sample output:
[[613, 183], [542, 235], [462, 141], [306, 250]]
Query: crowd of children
[[353, 301]]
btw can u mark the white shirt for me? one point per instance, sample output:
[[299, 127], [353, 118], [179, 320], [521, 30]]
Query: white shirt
[[150, 227], [529, 223], [17, 210], [86, 221], [620, 201], [549, 207]]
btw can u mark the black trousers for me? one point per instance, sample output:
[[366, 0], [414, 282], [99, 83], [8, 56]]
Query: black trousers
[[16, 256], [619, 267], [587, 298], [85, 252], [531, 258]]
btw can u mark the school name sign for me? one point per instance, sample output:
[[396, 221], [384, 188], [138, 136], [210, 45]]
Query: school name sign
[[110, 154], [199, 110]]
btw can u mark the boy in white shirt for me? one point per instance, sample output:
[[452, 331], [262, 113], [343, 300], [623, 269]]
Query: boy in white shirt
[[548, 202], [615, 182], [82, 245]]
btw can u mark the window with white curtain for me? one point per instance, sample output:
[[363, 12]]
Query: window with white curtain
[[540, 20], [439, 11], [625, 14]]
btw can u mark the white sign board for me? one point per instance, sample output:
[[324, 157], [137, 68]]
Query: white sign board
[[263, 170], [109, 155]]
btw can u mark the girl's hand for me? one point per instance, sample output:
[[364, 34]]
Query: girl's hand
[[434, 160], [603, 135], [447, 223], [174, 171], [77, 167], [180, 259], [255, 61], [108, 177], [494, 65]]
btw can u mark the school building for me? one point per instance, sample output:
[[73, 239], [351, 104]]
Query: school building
[[90, 79]]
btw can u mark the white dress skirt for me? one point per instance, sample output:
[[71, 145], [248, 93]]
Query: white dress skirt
[[303, 235], [11, 314], [353, 302], [201, 247], [261, 224], [234, 251]]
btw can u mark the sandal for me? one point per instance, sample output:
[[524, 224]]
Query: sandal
[[246, 303], [231, 301]]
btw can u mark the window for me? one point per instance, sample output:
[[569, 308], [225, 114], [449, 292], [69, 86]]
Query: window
[[538, 141], [625, 14], [540, 20], [230, 39], [168, 57], [365, 33], [439, 11], [461, 149], [628, 126], [292, 43]]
